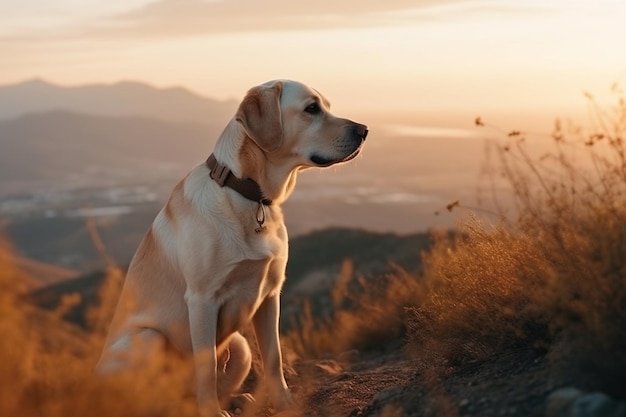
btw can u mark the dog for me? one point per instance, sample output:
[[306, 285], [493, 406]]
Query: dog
[[214, 259]]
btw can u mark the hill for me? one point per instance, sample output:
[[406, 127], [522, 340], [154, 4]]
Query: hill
[[43, 274], [102, 134], [66, 240], [392, 378], [371, 253], [127, 98], [87, 286], [60, 145]]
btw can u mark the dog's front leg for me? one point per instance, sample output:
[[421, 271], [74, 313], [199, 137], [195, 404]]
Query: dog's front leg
[[203, 316], [266, 328]]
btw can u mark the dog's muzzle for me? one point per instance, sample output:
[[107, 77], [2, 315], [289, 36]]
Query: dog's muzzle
[[359, 133], [355, 136]]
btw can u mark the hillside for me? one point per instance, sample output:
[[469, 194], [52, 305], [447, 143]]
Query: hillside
[[88, 136], [385, 374], [314, 263], [389, 384], [60, 145], [367, 382], [43, 274], [371, 253]]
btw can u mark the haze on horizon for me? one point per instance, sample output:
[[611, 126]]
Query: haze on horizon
[[397, 55]]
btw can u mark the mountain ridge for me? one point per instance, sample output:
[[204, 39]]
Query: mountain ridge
[[123, 98], [60, 143]]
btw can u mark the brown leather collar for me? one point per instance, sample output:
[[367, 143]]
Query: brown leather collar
[[247, 187]]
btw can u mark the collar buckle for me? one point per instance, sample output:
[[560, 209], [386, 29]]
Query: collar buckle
[[219, 173], [247, 187]]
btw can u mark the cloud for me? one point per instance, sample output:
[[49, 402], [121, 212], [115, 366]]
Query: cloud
[[184, 17], [187, 17], [171, 18]]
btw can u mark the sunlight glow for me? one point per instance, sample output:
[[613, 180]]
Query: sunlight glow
[[454, 55]]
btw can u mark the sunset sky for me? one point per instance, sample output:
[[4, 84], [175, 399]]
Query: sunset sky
[[396, 55]]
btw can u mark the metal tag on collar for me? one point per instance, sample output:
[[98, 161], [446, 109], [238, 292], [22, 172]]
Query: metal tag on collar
[[260, 218]]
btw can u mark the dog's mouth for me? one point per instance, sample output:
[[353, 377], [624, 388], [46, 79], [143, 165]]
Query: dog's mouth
[[352, 155], [323, 161]]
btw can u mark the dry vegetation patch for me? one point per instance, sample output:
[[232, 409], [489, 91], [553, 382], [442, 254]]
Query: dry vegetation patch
[[47, 363], [552, 279]]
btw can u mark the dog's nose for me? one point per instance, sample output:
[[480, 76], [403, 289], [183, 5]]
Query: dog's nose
[[361, 130]]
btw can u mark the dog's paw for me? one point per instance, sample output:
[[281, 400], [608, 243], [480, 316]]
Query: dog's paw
[[215, 413], [283, 400], [241, 401]]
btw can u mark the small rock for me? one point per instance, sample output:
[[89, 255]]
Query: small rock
[[571, 402], [464, 403], [345, 376], [559, 402], [595, 404], [357, 411]]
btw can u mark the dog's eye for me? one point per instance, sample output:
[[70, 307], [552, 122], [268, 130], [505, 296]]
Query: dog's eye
[[313, 108]]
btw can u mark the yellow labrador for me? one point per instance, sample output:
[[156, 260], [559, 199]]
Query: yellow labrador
[[214, 259]]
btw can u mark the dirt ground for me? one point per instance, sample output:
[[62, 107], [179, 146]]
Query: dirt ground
[[515, 384]]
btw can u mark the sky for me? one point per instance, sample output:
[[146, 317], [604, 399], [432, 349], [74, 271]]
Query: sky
[[390, 56]]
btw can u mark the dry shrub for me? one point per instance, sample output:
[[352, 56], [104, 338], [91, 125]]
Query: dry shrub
[[575, 208], [47, 366], [586, 300], [556, 275], [482, 286], [366, 315]]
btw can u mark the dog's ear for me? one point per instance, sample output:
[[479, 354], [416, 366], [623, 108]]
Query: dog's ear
[[259, 113]]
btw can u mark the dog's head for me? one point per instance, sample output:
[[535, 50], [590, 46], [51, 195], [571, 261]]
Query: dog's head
[[288, 119]]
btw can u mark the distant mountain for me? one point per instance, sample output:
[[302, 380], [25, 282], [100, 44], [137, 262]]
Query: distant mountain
[[59, 144], [66, 241], [87, 287], [41, 274], [326, 249], [127, 98]]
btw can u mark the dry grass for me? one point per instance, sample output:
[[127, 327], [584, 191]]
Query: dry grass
[[481, 298], [47, 364], [555, 277]]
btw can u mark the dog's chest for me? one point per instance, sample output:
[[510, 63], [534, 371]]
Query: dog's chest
[[248, 284]]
